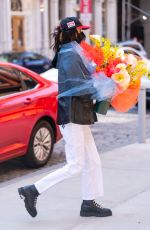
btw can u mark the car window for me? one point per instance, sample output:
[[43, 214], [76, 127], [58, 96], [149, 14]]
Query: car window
[[131, 52], [14, 57], [133, 46], [33, 57], [27, 81], [9, 81], [38, 56], [3, 58]]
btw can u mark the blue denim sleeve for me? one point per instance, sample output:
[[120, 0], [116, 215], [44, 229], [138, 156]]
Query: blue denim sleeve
[[75, 74], [72, 65]]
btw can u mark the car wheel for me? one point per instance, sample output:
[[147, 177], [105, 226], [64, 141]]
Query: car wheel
[[40, 146]]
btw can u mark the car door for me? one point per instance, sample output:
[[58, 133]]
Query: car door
[[10, 116], [15, 101]]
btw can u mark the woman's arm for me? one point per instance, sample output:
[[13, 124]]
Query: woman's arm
[[76, 79]]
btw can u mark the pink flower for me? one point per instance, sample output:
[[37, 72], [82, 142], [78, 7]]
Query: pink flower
[[131, 60]]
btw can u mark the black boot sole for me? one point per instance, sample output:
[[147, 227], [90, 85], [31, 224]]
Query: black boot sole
[[23, 195], [88, 214]]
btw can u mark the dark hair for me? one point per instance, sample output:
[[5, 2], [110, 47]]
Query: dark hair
[[63, 36]]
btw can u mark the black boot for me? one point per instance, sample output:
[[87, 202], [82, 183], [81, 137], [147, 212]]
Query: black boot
[[29, 194], [91, 208]]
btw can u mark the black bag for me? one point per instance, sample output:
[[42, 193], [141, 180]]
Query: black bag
[[82, 110]]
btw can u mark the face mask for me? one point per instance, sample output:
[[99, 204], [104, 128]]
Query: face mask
[[81, 37]]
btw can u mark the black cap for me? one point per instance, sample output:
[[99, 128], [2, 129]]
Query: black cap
[[72, 23]]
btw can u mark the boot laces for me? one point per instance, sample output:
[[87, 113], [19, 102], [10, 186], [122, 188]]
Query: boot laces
[[97, 205], [35, 201]]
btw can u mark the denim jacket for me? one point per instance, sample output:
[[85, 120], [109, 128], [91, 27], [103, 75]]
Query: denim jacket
[[76, 109]]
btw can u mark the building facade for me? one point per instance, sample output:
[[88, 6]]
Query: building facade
[[134, 21], [27, 24], [145, 5]]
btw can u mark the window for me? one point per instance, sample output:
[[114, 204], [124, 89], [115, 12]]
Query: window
[[9, 81], [14, 81], [104, 19], [16, 5], [134, 46], [61, 12], [33, 57], [131, 52], [27, 82], [13, 57]]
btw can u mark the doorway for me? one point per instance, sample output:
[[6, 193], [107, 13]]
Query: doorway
[[18, 33]]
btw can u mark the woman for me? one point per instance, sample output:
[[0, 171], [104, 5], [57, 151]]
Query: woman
[[75, 114]]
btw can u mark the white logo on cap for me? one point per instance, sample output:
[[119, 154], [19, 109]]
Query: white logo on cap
[[71, 24]]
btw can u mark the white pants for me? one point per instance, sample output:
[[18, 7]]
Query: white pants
[[82, 157]]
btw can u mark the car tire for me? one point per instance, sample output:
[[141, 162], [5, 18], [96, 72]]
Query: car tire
[[40, 145]]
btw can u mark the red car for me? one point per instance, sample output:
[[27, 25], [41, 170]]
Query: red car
[[28, 109]]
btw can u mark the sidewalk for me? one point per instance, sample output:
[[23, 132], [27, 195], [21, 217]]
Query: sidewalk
[[127, 192]]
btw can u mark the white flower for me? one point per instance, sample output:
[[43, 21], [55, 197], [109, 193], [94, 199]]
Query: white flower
[[122, 79], [95, 36], [120, 54], [121, 66]]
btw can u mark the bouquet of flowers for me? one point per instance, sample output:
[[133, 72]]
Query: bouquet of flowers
[[125, 70]]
